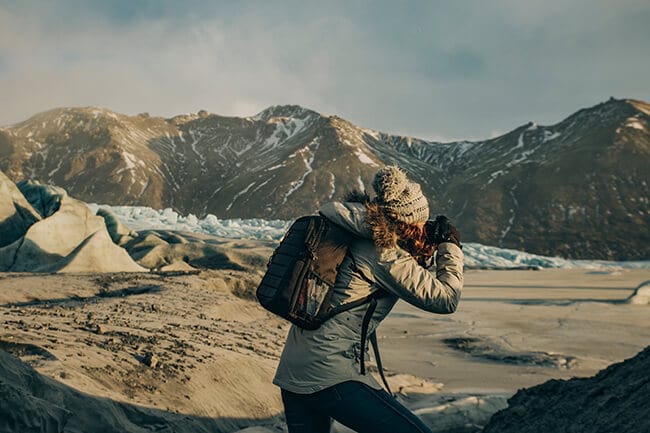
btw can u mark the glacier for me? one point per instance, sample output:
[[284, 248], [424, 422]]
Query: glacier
[[476, 255]]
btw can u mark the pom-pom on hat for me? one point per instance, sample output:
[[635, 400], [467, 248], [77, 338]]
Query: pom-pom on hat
[[399, 196]]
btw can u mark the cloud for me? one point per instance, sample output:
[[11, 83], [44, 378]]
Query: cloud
[[434, 69]]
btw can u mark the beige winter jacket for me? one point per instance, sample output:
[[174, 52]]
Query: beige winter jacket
[[314, 360]]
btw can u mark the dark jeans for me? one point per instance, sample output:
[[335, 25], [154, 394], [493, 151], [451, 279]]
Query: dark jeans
[[353, 404]]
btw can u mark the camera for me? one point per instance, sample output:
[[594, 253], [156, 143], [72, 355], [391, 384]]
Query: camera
[[436, 231], [441, 230]]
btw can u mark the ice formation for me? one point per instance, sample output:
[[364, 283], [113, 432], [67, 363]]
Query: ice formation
[[476, 255]]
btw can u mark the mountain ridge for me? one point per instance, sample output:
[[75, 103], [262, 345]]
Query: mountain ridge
[[637, 104], [548, 189]]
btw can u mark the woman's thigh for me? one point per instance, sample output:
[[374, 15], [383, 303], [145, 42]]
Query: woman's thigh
[[365, 409], [302, 414]]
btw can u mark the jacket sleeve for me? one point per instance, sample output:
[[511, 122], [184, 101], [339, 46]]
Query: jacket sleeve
[[346, 216], [399, 273]]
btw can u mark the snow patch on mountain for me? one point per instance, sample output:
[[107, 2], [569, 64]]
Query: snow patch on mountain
[[641, 106], [635, 123], [130, 160], [332, 186], [285, 129], [521, 156], [275, 167], [57, 168], [496, 175], [242, 192], [145, 185], [548, 136], [360, 184], [463, 146], [374, 134], [364, 158], [308, 165], [195, 141], [520, 141], [513, 214]]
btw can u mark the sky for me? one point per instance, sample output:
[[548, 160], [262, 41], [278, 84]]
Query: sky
[[437, 69]]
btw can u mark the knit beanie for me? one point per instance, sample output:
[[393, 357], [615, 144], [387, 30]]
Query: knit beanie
[[399, 196]]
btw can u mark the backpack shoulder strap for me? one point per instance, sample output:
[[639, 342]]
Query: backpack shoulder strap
[[364, 333], [375, 349], [373, 341]]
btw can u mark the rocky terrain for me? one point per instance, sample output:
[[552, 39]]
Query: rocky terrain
[[615, 400], [136, 352], [43, 229], [578, 188]]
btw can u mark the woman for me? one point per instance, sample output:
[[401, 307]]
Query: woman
[[319, 371]]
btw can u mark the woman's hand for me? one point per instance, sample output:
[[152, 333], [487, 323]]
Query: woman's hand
[[425, 258], [442, 230]]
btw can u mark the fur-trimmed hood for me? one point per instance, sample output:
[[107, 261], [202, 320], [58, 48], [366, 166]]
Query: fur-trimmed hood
[[363, 217]]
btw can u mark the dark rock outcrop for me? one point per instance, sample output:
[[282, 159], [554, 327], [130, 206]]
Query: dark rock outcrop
[[615, 400]]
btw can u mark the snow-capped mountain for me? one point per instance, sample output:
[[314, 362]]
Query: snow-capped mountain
[[577, 189]]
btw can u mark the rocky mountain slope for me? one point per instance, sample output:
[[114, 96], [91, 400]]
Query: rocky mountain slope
[[577, 189]]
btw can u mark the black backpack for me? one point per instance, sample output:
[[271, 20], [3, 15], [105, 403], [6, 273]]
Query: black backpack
[[300, 277], [302, 270]]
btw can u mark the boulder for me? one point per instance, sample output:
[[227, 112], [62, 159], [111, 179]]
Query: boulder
[[59, 234], [97, 253], [158, 249], [177, 266], [463, 415], [141, 244], [16, 213], [614, 400]]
